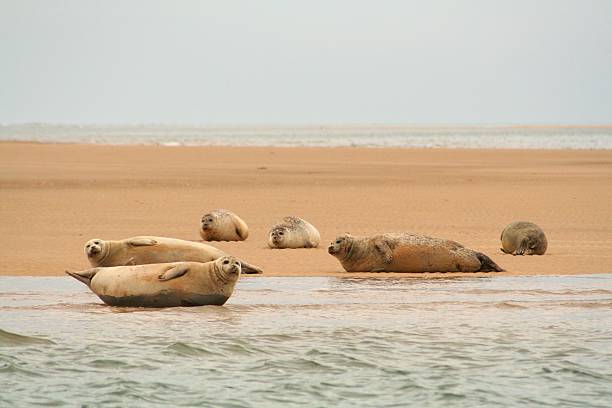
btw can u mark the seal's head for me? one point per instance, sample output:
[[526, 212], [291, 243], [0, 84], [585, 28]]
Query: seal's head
[[278, 235], [208, 222], [341, 246], [228, 268], [95, 248]]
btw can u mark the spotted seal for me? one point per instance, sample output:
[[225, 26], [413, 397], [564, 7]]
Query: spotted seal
[[223, 225], [293, 232], [523, 238], [404, 252]]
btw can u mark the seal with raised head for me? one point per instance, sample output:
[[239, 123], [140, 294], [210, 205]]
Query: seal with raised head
[[164, 284], [223, 225], [523, 238], [293, 232], [403, 252], [148, 250]]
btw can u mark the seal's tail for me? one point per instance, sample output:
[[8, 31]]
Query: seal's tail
[[83, 276], [250, 269], [487, 264]]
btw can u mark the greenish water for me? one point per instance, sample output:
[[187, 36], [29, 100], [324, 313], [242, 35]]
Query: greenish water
[[316, 342]]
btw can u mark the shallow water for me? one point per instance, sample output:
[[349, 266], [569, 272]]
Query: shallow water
[[510, 137], [315, 342]]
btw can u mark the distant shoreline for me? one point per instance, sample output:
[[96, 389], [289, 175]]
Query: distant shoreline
[[572, 137]]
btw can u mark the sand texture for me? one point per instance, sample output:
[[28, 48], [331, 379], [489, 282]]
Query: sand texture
[[53, 198]]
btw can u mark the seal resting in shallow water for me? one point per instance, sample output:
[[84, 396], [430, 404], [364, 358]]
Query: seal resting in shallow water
[[523, 238], [164, 285], [147, 250], [223, 225], [293, 232], [405, 252]]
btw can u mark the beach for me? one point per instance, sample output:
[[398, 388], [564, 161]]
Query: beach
[[55, 197]]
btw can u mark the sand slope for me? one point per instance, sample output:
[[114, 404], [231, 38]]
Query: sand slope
[[53, 198]]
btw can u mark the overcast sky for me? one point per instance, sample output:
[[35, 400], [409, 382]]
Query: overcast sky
[[306, 62]]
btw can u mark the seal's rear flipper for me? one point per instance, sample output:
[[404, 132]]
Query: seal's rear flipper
[[487, 264], [250, 269], [84, 276]]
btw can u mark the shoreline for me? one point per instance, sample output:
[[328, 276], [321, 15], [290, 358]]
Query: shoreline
[[55, 197]]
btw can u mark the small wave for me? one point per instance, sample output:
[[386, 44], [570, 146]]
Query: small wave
[[189, 350], [9, 339]]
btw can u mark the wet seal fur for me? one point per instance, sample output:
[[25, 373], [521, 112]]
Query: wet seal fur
[[223, 225], [523, 238], [293, 232], [164, 285], [404, 252], [148, 250]]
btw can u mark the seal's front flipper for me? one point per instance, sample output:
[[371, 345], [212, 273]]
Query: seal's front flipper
[[142, 242], [250, 269], [131, 262], [84, 276], [173, 273], [523, 247], [383, 248], [243, 233]]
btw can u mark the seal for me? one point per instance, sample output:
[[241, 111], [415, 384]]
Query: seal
[[148, 250], [404, 252], [164, 284], [223, 225], [523, 238], [293, 232]]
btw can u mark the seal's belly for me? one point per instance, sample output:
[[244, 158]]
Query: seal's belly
[[165, 300]]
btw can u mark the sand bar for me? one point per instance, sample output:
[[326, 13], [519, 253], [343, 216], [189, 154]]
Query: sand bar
[[54, 197]]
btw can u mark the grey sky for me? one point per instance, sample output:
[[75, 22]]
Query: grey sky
[[307, 62]]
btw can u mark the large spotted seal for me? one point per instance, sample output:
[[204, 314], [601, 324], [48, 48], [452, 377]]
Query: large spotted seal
[[405, 252], [164, 284], [223, 225], [523, 238], [293, 232], [147, 250]]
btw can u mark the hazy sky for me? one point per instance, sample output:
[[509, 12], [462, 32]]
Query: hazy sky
[[306, 62]]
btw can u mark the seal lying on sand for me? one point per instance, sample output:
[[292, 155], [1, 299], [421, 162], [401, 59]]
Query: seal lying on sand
[[407, 253], [164, 285], [523, 238], [293, 232], [223, 225], [148, 250]]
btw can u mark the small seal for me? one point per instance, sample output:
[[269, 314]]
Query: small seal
[[523, 238], [223, 225], [148, 250], [405, 252], [293, 232], [164, 284]]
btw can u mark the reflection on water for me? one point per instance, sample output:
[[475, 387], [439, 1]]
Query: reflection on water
[[315, 342]]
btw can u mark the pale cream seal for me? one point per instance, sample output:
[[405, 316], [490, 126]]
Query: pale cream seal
[[164, 284], [147, 250]]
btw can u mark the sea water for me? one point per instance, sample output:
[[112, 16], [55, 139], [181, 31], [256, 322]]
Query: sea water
[[515, 137], [316, 342]]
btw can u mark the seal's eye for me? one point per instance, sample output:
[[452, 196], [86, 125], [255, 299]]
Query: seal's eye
[[225, 262], [281, 233], [338, 242]]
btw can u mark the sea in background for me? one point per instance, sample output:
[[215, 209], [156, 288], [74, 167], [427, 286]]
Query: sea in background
[[316, 342], [507, 137]]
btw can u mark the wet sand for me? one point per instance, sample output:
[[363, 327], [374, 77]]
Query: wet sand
[[53, 198]]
